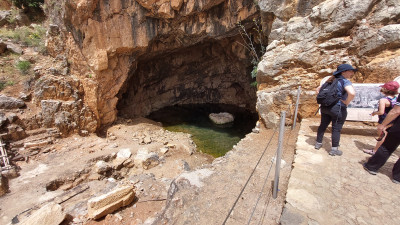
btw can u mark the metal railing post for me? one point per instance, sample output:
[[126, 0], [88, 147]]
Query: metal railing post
[[297, 107], [279, 154]]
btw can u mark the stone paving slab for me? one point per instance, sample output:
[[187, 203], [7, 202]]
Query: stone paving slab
[[327, 189]]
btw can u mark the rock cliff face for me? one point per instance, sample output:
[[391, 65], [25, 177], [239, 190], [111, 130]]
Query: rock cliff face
[[136, 56], [308, 39], [144, 55]]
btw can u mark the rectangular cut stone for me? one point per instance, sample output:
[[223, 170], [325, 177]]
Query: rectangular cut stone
[[110, 202], [49, 214]]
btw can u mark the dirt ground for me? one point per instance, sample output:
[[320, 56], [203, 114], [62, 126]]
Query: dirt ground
[[64, 170], [69, 162], [69, 159]]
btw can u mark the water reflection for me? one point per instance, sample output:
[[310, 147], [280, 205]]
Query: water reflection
[[210, 138]]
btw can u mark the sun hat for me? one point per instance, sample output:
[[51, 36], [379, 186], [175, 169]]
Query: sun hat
[[391, 86], [343, 67]]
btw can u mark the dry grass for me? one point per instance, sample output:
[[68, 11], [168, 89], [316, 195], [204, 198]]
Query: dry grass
[[32, 36], [9, 73]]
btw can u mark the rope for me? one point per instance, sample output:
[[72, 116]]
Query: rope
[[259, 196], [269, 198], [265, 181], [241, 192]]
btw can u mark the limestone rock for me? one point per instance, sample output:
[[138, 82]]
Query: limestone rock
[[176, 4], [146, 159], [221, 118], [49, 214], [307, 39], [4, 16], [110, 202], [164, 150], [99, 60], [149, 188], [111, 46], [61, 106], [124, 153], [304, 37], [10, 102], [103, 168], [151, 161], [14, 48], [194, 178], [387, 36], [291, 216]]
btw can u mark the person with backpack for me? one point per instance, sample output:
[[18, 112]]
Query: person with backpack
[[390, 90], [334, 96]]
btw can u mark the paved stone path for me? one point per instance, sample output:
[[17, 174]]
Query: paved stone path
[[327, 189]]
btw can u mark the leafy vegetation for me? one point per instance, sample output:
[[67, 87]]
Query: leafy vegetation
[[33, 36], [4, 84], [23, 66], [253, 42], [28, 4]]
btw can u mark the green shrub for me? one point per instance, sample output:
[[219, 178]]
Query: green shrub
[[23, 66], [14, 13], [253, 41], [4, 84], [33, 36], [29, 4]]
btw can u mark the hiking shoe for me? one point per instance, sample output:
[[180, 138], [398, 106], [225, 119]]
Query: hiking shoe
[[396, 181], [370, 171], [318, 145], [335, 152]]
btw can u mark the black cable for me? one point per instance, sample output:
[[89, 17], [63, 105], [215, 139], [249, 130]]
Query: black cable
[[241, 192], [265, 181], [259, 196]]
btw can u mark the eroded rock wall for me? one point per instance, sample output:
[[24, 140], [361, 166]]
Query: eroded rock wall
[[119, 49], [111, 37], [308, 39]]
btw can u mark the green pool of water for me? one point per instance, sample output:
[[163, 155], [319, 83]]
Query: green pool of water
[[212, 139]]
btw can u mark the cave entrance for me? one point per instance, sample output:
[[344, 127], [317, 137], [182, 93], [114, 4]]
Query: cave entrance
[[213, 139], [213, 72]]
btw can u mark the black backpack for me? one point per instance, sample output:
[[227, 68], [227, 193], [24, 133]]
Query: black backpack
[[328, 94]]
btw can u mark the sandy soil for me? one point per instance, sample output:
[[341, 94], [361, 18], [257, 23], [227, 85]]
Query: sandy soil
[[70, 159]]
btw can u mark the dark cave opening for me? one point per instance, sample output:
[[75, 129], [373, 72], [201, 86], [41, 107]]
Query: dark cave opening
[[211, 72]]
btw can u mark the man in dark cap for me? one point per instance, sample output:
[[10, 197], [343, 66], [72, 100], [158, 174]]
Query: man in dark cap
[[337, 113]]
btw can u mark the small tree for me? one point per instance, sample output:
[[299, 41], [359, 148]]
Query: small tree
[[28, 4], [251, 39]]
